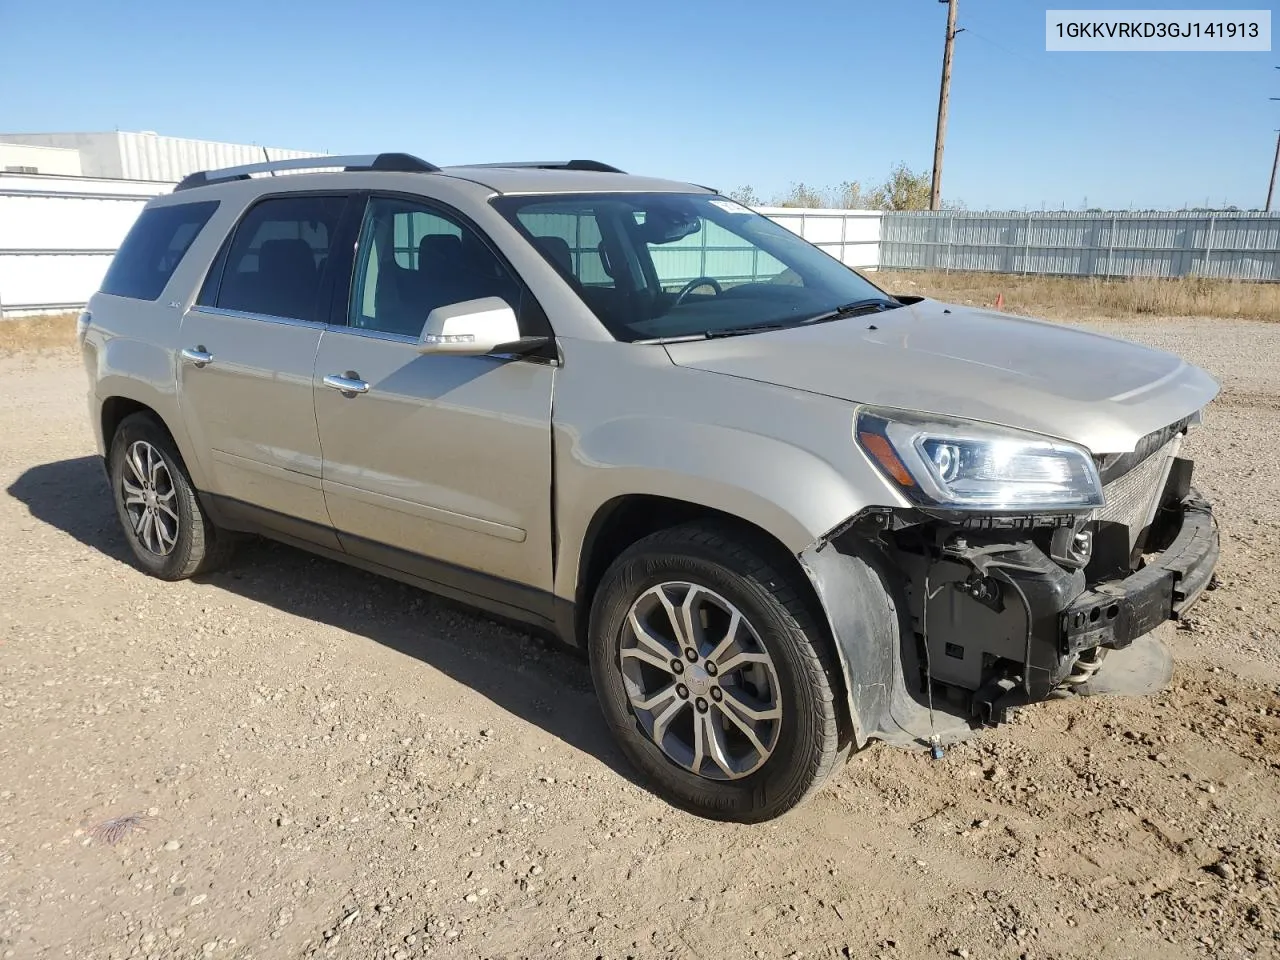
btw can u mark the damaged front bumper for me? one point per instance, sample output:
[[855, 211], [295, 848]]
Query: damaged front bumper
[[1115, 613], [984, 617]]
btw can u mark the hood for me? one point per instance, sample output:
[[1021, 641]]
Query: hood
[[935, 358]]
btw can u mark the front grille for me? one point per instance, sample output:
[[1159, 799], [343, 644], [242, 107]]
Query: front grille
[[1132, 499]]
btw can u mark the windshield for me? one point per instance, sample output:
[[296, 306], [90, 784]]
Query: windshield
[[669, 265]]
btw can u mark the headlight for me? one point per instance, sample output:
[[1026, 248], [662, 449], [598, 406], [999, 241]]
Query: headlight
[[938, 461]]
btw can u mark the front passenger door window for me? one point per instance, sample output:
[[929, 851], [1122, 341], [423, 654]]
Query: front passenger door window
[[412, 259]]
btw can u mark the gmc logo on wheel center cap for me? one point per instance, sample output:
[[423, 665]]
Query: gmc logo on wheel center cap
[[699, 680]]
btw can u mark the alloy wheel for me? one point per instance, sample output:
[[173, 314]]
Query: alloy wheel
[[150, 499], [701, 684]]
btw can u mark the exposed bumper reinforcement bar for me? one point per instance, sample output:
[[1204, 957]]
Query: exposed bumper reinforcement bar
[[1115, 613]]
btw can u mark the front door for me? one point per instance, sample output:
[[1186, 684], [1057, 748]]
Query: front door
[[442, 467], [249, 347]]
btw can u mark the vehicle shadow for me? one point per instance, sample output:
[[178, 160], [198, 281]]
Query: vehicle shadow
[[72, 496], [519, 672]]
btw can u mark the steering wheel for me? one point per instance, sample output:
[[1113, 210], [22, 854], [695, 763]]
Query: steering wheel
[[693, 285]]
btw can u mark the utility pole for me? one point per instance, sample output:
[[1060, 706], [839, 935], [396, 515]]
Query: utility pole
[[1275, 165], [935, 193]]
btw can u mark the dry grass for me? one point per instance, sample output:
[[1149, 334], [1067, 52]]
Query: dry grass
[[50, 332], [1070, 298]]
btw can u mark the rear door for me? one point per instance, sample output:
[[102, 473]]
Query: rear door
[[248, 347], [442, 467]]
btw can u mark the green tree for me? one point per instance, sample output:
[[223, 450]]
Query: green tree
[[802, 195], [850, 195], [905, 189]]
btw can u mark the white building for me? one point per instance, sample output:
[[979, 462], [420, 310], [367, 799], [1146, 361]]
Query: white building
[[130, 156], [29, 158]]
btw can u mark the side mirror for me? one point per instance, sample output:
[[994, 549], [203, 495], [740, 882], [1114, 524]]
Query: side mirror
[[470, 328]]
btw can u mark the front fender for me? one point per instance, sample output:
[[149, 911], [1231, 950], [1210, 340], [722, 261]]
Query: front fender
[[627, 421], [787, 491]]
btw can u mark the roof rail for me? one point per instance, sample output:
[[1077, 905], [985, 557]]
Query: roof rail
[[398, 162], [594, 166]]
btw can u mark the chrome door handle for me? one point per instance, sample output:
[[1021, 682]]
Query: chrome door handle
[[348, 385], [197, 355]]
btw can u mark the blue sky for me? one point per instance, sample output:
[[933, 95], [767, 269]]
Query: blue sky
[[716, 92]]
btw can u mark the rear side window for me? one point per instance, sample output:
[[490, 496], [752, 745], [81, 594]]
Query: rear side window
[[153, 249], [277, 257]]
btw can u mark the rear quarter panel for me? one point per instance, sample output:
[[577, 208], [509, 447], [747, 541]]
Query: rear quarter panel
[[130, 352]]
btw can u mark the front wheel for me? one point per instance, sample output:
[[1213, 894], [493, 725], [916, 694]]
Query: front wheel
[[714, 673]]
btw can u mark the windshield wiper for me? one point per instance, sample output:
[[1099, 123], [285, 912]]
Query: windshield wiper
[[741, 331], [857, 308], [870, 305]]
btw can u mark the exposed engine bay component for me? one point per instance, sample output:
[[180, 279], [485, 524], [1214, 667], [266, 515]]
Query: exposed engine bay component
[[993, 613], [1085, 667]]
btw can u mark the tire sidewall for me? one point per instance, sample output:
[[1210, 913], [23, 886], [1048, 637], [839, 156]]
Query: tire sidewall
[[173, 565], [798, 752]]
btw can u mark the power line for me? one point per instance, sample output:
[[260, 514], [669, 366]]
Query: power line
[[1042, 66]]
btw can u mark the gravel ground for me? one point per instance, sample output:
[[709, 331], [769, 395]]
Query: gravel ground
[[323, 763]]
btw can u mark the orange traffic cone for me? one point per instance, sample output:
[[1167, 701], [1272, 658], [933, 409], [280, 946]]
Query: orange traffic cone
[[999, 301]]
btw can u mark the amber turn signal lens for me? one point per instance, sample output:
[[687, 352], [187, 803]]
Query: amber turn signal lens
[[879, 448]]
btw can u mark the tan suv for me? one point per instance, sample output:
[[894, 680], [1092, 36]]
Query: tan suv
[[784, 512]]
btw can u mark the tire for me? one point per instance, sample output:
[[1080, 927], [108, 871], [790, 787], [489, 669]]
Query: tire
[[725, 569], [180, 540]]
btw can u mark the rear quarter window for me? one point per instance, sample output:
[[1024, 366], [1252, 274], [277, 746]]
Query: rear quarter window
[[154, 247]]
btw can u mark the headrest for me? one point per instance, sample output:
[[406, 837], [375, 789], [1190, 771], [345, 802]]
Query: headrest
[[439, 249], [557, 248]]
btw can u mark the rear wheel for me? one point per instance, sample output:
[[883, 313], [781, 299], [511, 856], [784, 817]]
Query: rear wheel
[[168, 531], [714, 673]]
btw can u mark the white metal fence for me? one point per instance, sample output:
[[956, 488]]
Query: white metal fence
[[58, 234], [1232, 245], [851, 236]]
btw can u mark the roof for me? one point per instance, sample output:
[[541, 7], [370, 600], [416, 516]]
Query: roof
[[536, 180], [574, 176]]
